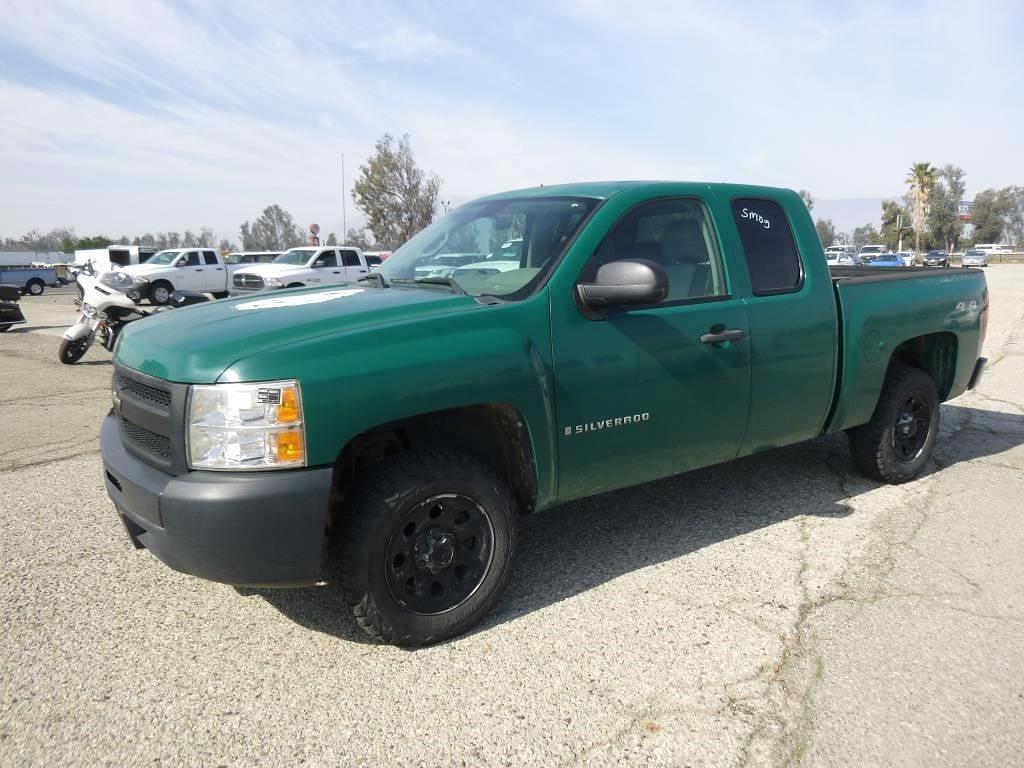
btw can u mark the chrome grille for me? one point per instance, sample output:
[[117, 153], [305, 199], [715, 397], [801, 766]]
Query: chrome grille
[[246, 282]]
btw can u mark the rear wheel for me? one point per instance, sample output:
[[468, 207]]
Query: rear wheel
[[72, 351], [160, 293], [899, 440], [35, 287], [425, 547]]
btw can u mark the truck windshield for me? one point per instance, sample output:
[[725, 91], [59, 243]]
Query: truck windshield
[[164, 257], [298, 256], [540, 228]]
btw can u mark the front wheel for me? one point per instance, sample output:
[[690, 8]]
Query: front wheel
[[71, 351], [424, 547], [898, 441], [160, 293]]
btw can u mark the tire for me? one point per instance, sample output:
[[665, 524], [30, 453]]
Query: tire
[[410, 581], [897, 443], [35, 287], [295, 285], [160, 293], [72, 351]]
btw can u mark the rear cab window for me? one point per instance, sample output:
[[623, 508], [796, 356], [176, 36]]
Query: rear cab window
[[773, 261]]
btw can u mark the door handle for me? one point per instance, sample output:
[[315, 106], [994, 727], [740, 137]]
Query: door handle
[[362, 271], [718, 338]]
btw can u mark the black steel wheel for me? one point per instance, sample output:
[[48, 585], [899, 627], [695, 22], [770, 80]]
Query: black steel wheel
[[72, 351], [423, 545], [439, 554], [897, 443]]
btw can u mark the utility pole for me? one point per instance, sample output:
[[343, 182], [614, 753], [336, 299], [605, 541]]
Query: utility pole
[[344, 205]]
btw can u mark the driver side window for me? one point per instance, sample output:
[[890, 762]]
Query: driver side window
[[674, 233], [192, 259], [326, 259]]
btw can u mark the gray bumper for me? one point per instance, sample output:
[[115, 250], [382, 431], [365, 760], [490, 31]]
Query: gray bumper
[[242, 528]]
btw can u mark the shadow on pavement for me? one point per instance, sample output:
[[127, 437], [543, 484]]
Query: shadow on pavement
[[583, 544]]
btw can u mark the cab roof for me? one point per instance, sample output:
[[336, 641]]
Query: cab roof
[[607, 189]]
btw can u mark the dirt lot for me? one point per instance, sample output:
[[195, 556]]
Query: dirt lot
[[781, 610]]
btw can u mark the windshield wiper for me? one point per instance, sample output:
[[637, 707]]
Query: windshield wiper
[[456, 288], [377, 276]]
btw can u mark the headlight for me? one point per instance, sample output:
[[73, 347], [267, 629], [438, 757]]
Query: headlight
[[246, 426], [273, 282], [88, 310]]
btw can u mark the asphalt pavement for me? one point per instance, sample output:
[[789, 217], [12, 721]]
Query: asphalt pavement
[[781, 610]]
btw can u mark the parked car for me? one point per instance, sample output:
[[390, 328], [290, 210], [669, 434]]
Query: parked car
[[886, 260], [907, 258], [936, 258], [974, 258], [869, 252], [189, 269], [444, 264], [32, 281], [388, 436], [505, 258], [303, 266]]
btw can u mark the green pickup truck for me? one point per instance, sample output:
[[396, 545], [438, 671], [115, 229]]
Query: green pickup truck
[[387, 436]]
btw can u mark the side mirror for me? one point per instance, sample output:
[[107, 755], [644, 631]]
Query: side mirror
[[181, 263], [628, 282]]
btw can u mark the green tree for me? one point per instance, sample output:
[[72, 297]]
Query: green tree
[[96, 241], [359, 238], [274, 230], [865, 235], [396, 196], [826, 232], [332, 239], [1015, 215], [920, 179], [989, 216]]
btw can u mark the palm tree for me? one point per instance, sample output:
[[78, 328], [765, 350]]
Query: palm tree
[[921, 180]]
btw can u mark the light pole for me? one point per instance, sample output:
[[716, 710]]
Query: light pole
[[344, 206]]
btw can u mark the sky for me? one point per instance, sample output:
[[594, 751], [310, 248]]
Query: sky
[[128, 117]]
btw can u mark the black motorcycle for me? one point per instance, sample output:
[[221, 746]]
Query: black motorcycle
[[10, 312]]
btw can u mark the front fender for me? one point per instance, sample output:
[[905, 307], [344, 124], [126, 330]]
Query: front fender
[[352, 382], [84, 327]]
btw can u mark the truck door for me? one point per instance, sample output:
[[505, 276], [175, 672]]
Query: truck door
[[326, 269], [191, 275], [214, 274], [793, 331], [643, 393], [354, 268]]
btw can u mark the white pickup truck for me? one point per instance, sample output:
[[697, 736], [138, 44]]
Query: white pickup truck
[[307, 265], [191, 269]]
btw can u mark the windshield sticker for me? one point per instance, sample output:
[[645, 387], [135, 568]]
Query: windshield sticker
[[299, 299], [746, 213]]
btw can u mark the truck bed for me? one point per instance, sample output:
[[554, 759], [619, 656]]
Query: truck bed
[[881, 308], [885, 274]]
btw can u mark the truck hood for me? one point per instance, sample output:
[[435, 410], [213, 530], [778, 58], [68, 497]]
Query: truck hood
[[194, 345], [273, 269], [141, 270]]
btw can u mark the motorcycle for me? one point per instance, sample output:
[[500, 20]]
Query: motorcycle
[[107, 303], [10, 312]]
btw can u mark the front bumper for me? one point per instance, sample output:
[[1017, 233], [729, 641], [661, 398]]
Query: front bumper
[[244, 528], [979, 369]]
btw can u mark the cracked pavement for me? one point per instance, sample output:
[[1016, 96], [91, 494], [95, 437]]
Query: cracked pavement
[[778, 611]]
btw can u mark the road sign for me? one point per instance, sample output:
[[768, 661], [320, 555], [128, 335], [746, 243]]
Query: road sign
[[314, 228], [964, 209]]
